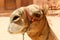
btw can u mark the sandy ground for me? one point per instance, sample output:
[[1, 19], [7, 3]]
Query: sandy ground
[[54, 22], [4, 34]]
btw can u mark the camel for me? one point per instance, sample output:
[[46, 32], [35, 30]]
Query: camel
[[32, 20]]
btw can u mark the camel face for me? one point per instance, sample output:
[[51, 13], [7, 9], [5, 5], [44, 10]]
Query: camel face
[[18, 21], [21, 18]]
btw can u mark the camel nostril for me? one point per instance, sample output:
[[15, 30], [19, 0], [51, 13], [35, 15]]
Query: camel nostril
[[15, 17]]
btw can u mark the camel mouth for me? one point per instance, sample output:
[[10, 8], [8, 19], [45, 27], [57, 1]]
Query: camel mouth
[[15, 28]]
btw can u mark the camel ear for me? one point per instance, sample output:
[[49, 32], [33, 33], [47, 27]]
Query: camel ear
[[45, 10]]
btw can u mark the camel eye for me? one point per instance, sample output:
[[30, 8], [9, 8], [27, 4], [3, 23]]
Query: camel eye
[[15, 17], [36, 15]]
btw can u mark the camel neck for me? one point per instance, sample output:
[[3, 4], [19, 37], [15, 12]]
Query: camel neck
[[36, 32], [39, 29]]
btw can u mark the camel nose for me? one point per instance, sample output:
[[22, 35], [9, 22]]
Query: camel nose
[[14, 28], [11, 29]]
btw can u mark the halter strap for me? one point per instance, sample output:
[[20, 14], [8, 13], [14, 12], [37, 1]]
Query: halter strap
[[29, 17]]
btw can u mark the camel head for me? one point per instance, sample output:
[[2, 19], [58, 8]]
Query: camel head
[[30, 19], [22, 17]]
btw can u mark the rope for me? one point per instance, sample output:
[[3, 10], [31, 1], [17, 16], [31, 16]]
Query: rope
[[23, 36]]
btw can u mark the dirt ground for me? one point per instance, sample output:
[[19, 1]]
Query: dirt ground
[[54, 22]]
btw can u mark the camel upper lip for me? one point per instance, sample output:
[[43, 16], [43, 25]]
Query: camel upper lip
[[15, 29]]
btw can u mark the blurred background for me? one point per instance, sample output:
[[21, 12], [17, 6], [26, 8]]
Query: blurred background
[[8, 6]]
